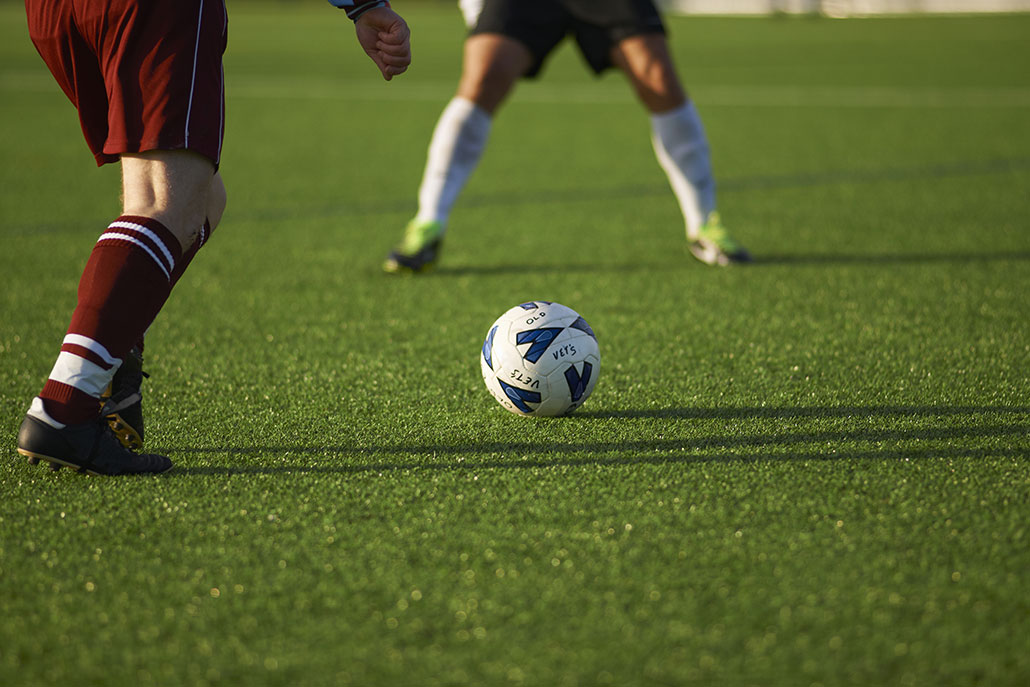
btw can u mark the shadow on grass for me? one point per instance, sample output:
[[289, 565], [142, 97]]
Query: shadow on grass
[[488, 269], [483, 270], [600, 461], [826, 177], [764, 412], [829, 445], [888, 258]]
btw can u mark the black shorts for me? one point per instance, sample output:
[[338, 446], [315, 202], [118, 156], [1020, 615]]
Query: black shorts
[[598, 25]]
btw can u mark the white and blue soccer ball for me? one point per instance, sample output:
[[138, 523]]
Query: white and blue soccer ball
[[540, 359]]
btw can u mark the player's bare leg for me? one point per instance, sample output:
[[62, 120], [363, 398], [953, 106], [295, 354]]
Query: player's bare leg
[[121, 403], [170, 186], [680, 144], [646, 62], [127, 279], [491, 67]]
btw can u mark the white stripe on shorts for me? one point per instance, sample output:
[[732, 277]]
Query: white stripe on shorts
[[193, 78]]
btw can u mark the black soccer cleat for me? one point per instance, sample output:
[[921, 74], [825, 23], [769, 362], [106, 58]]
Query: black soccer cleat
[[122, 403], [90, 448]]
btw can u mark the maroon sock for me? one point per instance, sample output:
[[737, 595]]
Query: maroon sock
[[183, 263], [190, 253], [126, 281]]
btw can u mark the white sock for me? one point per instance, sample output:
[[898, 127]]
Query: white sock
[[458, 142], [682, 149]]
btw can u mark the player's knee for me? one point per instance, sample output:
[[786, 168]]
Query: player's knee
[[658, 88], [492, 66], [659, 100], [216, 201], [487, 89], [648, 65], [172, 187]]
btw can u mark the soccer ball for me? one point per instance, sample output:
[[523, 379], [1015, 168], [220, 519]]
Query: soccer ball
[[540, 359]]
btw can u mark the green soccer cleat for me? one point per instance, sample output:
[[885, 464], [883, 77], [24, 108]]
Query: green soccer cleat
[[418, 251], [714, 246]]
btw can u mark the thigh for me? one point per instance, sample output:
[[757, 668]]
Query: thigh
[[648, 65], [600, 25], [539, 25], [492, 64]]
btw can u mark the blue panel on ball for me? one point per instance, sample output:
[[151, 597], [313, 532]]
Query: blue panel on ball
[[540, 339], [488, 347], [520, 397], [577, 383], [582, 325]]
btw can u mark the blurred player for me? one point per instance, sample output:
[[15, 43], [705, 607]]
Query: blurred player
[[146, 78], [511, 39]]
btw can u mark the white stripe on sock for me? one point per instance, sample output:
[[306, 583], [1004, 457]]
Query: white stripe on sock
[[84, 375], [94, 346], [132, 239], [121, 224]]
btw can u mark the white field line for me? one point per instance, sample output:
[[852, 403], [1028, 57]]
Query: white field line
[[611, 92], [619, 93]]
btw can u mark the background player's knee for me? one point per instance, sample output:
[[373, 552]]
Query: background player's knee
[[647, 64], [492, 64]]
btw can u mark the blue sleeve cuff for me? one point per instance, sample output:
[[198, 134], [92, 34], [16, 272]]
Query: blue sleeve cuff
[[356, 8]]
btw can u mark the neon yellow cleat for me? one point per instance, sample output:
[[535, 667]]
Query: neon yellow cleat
[[714, 246], [419, 249]]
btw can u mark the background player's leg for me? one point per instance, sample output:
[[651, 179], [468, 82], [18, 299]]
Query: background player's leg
[[492, 65], [682, 150], [647, 64], [678, 137], [680, 144], [458, 141]]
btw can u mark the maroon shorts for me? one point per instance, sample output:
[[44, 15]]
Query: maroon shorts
[[143, 75]]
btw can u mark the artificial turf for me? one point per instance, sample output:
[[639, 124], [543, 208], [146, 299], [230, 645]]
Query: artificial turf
[[809, 471]]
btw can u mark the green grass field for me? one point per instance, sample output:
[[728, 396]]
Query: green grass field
[[809, 471]]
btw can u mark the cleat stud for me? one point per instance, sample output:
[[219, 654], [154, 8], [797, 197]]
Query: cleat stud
[[33, 461], [55, 466]]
